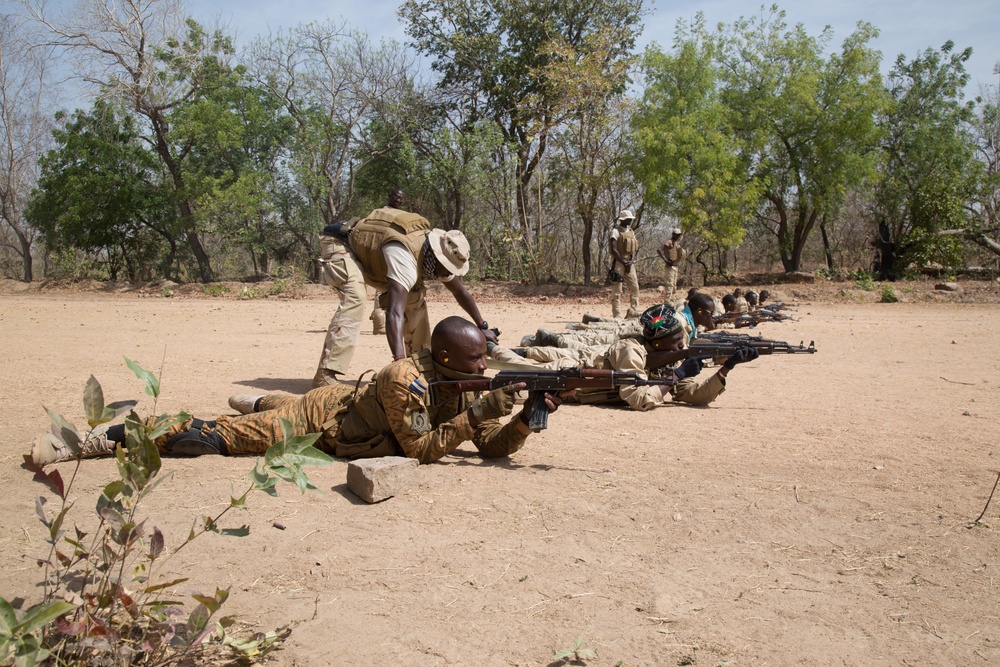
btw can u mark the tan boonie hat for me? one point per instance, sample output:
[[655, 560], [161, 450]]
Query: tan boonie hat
[[677, 231], [451, 249], [626, 215]]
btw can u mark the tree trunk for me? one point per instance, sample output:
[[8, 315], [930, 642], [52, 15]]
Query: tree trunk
[[827, 250], [25, 255], [588, 236]]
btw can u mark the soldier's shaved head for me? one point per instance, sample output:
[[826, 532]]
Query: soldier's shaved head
[[460, 345]]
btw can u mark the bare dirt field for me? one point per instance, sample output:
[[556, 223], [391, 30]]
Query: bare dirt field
[[817, 514]]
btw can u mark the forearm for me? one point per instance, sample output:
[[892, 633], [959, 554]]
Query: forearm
[[441, 441], [395, 316], [465, 299], [496, 441]]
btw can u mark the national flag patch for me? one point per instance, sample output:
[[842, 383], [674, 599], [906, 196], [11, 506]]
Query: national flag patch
[[418, 387]]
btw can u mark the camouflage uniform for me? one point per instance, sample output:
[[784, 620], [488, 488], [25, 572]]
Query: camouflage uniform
[[625, 355], [392, 416], [598, 333]]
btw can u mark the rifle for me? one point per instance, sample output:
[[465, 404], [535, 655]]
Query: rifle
[[719, 348], [541, 381]]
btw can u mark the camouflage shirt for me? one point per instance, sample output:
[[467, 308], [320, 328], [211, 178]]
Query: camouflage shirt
[[428, 432]]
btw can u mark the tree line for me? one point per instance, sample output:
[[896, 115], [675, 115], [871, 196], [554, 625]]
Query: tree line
[[537, 122]]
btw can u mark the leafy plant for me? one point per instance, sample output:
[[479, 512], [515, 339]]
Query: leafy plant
[[251, 293], [166, 291], [888, 294], [576, 654], [862, 279], [103, 599], [215, 289]]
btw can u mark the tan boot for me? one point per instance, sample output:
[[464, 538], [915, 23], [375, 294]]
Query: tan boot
[[50, 449], [244, 403], [378, 322], [325, 378]]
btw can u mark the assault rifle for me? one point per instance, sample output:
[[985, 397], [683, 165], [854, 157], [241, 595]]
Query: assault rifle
[[541, 381], [722, 348]]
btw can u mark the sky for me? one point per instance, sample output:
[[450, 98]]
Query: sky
[[906, 26]]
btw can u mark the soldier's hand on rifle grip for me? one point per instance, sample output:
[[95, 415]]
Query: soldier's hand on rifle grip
[[498, 403]]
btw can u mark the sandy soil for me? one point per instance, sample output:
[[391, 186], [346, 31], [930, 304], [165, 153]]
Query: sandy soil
[[817, 514]]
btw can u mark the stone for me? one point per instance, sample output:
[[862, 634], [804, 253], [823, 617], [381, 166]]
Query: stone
[[376, 479], [798, 277], [948, 287]]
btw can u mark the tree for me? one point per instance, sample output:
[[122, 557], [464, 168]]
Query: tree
[[100, 191], [589, 83], [149, 57], [689, 156], [334, 84], [501, 53], [930, 172], [806, 123], [25, 129]]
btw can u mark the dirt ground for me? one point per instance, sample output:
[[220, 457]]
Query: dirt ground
[[817, 514]]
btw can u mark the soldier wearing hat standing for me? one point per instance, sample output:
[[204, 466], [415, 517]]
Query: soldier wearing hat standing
[[397, 251], [624, 247], [672, 254]]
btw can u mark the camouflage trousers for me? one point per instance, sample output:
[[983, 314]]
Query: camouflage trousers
[[252, 434]]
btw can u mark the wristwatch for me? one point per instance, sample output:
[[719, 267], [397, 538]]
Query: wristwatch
[[484, 325]]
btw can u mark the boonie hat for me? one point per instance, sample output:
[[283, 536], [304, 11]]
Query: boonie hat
[[625, 215], [677, 231], [451, 249]]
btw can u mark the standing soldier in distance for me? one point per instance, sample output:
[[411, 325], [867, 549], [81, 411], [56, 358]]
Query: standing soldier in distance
[[624, 248], [672, 254]]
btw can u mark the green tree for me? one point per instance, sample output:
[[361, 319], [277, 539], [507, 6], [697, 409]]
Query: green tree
[[100, 191], [930, 171], [238, 139], [501, 54], [150, 58], [690, 159], [805, 122], [346, 97]]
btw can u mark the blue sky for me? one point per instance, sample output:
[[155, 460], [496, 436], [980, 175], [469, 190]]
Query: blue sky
[[907, 26]]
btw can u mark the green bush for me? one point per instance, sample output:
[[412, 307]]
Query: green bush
[[863, 279], [888, 294], [215, 289]]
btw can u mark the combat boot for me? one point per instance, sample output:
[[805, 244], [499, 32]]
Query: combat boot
[[378, 322], [50, 449], [545, 338], [195, 442], [324, 378], [590, 319], [245, 403], [528, 341]]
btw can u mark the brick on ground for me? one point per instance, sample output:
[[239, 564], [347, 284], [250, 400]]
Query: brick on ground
[[376, 479]]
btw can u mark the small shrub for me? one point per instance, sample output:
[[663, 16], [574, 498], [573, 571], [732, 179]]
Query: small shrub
[[862, 279], [888, 294], [215, 289], [576, 654], [166, 292], [105, 600], [251, 293]]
